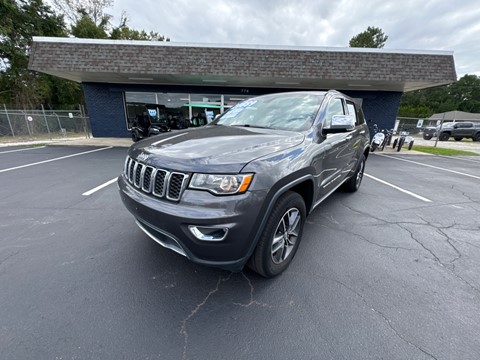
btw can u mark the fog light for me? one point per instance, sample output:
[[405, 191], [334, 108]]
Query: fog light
[[208, 233]]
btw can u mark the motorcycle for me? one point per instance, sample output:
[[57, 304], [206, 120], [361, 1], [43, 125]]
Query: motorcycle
[[403, 139], [380, 139], [140, 132]]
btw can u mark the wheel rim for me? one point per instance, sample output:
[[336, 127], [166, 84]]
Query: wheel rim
[[359, 175], [286, 235]]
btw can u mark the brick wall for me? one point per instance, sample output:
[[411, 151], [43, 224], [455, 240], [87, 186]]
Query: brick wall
[[106, 110], [379, 107], [107, 115]]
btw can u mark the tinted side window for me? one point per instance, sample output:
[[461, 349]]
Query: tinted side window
[[335, 107]]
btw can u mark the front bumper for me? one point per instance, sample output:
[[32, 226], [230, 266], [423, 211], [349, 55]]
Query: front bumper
[[168, 223]]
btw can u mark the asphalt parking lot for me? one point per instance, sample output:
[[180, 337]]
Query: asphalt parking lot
[[390, 272]]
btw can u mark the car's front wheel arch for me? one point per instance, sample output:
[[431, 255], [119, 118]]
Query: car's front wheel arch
[[303, 185], [305, 190], [281, 236]]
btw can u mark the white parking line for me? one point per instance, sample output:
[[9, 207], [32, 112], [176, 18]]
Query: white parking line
[[463, 159], [90, 192], [431, 166], [55, 159], [32, 148], [398, 188]]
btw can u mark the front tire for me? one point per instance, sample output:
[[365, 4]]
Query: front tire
[[400, 144], [444, 137], [280, 238], [384, 143]]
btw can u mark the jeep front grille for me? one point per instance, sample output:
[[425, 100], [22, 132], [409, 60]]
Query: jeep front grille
[[158, 182]]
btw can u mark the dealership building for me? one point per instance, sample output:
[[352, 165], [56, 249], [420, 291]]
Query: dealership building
[[186, 79]]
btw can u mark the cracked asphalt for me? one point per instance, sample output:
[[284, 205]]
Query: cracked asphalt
[[380, 274]]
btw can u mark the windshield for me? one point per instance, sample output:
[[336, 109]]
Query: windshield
[[288, 111]]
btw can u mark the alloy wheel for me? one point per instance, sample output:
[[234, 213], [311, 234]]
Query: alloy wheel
[[286, 235]]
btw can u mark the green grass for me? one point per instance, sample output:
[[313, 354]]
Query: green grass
[[443, 151]]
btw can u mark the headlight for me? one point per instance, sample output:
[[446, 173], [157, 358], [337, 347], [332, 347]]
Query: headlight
[[221, 184]]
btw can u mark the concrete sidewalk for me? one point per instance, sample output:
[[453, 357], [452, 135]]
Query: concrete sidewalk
[[116, 142]]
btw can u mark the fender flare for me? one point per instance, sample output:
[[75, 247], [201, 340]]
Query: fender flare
[[282, 190]]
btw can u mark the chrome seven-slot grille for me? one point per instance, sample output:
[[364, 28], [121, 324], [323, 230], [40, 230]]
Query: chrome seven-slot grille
[[158, 182]]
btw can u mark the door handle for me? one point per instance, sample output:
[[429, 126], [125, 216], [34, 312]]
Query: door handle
[[362, 132], [349, 137]]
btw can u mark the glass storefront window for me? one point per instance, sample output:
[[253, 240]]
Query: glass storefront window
[[180, 110]]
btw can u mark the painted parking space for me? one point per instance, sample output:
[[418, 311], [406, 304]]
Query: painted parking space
[[379, 273], [8, 151], [53, 159], [442, 180]]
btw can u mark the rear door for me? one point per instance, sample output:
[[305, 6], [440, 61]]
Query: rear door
[[360, 136], [331, 171], [463, 129]]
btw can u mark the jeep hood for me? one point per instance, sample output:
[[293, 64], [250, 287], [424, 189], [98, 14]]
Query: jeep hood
[[212, 148]]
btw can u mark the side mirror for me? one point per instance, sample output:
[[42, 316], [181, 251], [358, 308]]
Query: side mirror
[[340, 123]]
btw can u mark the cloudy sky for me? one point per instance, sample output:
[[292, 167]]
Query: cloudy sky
[[409, 24]]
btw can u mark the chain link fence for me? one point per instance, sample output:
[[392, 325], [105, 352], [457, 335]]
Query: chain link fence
[[423, 131], [42, 124], [415, 126]]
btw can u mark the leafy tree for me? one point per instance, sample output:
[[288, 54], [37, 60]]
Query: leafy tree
[[85, 27], [373, 37], [123, 32], [74, 10], [19, 21], [464, 95], [87, 18]]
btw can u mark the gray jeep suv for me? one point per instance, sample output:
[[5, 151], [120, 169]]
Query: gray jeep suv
[[238, 191]]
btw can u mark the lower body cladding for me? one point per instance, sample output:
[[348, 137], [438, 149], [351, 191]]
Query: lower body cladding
[[218, 231]]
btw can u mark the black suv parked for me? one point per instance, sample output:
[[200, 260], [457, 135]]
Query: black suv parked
[[238, 190]]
